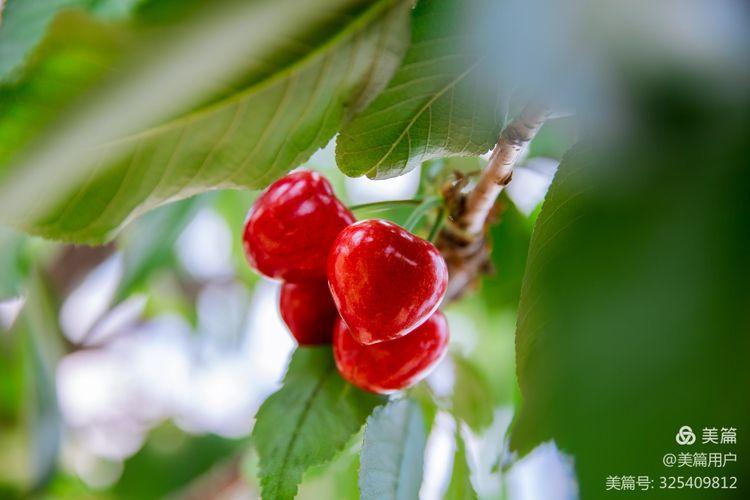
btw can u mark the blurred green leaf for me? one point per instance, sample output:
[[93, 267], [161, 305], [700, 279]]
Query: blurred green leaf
[[46, 422], [346, 479], [435, 172], [148, 245], [555, 138], [473, 398], [438, 103], [393, 452], [9, 492], [234, 205], [166, 295], [11, 379], [43, 351], [233, 96], [68, 486], [117, 8], [23, 25], [13, 268], [335, 479], [510, 237], [494, 352], [460, 487], [307, 421], [13, 448], [155, 472], [633, 315], [422, 394]]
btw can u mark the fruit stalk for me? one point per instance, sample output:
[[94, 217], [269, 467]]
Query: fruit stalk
[[462, 240], [499, 170]]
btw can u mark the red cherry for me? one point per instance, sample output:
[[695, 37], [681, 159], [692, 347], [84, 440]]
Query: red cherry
[[292, 225], [385, 281], [394, 365], [309, 312]]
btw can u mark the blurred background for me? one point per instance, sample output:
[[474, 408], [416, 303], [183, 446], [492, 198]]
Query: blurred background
[[134, 370]]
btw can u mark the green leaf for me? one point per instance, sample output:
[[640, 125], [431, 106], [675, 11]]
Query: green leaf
[[472, 395], [232, 96], [336, 479], [438, 103], [436, 172], [113, 9], [43, 350], [149, 243], [511, 236], [422, 394], [233, 206], [157, 473], [460, 487], [24, 23], [12, 265], [307, 421], [393, 452], [554, 139], [633, 315]]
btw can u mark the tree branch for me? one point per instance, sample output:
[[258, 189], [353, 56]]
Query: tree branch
[[463, 240], [499, 170]]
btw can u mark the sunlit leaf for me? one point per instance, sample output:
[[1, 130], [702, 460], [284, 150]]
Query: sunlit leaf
[[336, 479], [307, 421], [233, 205], [510, 237], [438, 103], [393, 452], [460, 487], [39, 323], [436, 172], [12, 265], [126, 117], [472, 395], [24, 23], [149, 243], [154, 473], [554, 139]]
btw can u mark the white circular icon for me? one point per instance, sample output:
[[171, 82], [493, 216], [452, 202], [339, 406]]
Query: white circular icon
[[685, 435]]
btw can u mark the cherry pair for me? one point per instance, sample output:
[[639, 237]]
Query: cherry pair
[[288, 234], [384, 282]]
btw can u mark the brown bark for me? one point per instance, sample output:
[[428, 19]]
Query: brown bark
[[463, 240]]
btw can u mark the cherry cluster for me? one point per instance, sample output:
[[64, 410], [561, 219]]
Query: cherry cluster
[[370, 287]]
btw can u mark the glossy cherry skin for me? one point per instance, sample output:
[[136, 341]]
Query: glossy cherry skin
[[290, 229], [394, 365], [308, 310], [385, 281]]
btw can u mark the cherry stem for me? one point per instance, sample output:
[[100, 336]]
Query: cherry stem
[[513, 138], [437, 225], [385, 205], [385, 209], [462, 240], [422, 209]]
